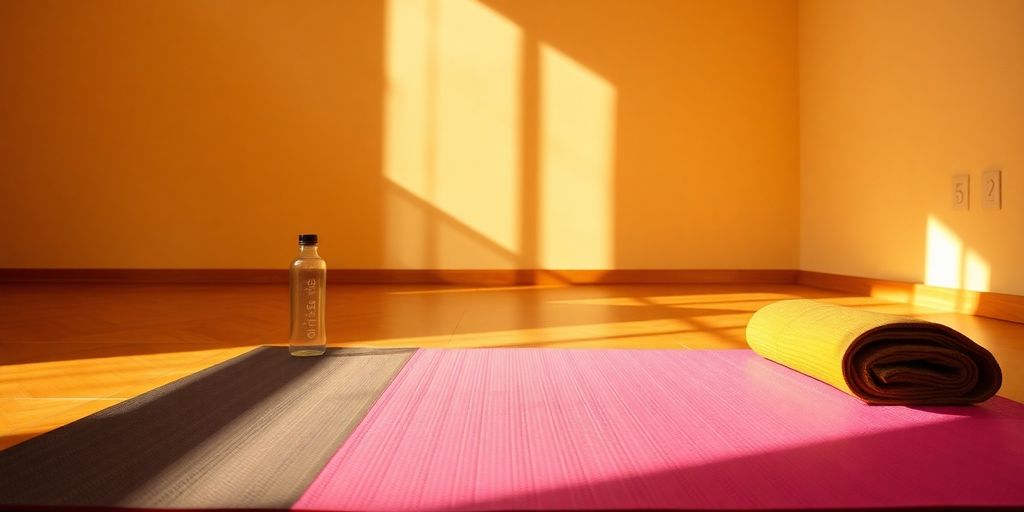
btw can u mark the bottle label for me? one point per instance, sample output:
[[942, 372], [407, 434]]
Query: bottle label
[[310, 317]]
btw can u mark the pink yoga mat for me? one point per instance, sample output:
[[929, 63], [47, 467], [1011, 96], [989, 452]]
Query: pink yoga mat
[[509, 429]]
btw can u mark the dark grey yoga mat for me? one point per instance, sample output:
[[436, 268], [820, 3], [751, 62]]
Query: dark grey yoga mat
[[251, 432]]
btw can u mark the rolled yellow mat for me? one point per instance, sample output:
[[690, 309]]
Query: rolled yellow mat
[[877, 357]]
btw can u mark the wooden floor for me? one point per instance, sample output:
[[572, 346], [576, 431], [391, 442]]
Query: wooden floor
[[68, 350]]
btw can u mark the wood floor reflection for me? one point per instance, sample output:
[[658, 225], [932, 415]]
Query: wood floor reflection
[[68, 350]]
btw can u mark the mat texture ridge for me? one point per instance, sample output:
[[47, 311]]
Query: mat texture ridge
[[251, 432], [877, 357], [535, 429]]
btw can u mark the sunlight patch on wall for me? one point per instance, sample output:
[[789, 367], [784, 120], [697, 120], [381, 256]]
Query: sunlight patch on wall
[[943, 257], [478, 123], [407, 103], [452, 131], [977, 272], [577, 141], [952, 264]]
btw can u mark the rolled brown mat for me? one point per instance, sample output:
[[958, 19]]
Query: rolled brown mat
[[877, 357]]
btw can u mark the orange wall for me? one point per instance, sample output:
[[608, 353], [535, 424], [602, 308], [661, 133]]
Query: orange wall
[[895, 98], [441, 134], [188, 133]]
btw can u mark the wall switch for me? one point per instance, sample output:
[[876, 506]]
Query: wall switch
[[962, 192], [991, 189]]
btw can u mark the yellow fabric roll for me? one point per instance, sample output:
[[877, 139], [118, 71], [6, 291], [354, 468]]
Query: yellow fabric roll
[[877, 357]]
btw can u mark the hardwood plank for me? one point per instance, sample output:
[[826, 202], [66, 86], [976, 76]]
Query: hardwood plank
[[25, 418], [87, 343]]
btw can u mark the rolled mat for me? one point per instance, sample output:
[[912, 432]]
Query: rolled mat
[[877, 357]]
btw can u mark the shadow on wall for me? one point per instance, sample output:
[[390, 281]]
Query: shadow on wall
[[146, 134], [585, 135]]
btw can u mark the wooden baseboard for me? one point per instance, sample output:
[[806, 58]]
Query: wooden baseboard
[[484, 277], [143, 275], [988, 304], [624, 276]]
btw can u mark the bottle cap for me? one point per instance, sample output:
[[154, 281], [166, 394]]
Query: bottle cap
[[307, 239]]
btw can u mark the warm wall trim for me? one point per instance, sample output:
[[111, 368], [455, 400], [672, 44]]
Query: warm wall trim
[[536, 276], [142, 275], [404, 276], [988, 304]]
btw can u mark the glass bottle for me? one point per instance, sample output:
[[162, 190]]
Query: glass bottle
[[308, 280]]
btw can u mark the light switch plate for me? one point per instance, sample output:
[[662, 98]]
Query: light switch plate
[[962, 192], [992, 189]]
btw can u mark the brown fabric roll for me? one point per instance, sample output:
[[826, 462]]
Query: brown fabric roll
[[877, 357]]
